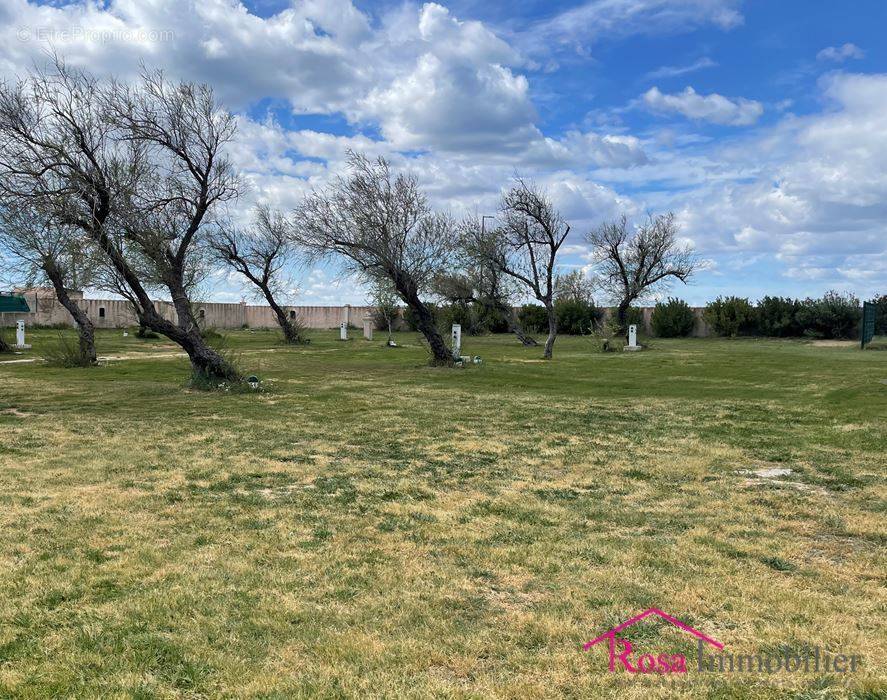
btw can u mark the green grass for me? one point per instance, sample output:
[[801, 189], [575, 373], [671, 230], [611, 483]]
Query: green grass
[[370, 526]]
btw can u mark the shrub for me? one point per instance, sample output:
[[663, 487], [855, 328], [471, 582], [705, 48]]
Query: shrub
[[778, 317], [210, 334], [66, 353], [146, 334], [574, 317], [730, 316], [672, 319], [606, 336], [533, 318], [464, 314], [4, 344], [880, 314], [834, 315], [635, 317]]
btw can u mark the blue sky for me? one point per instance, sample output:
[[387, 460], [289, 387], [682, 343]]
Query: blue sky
[[760, 123]]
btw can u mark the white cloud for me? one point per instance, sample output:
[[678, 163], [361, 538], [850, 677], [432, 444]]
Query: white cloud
[[674, 71], [581, 26], [839, 54], [810, 191], [712, 108]]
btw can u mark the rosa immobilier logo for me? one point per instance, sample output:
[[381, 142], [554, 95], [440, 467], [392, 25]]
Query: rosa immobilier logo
[[711, 657]]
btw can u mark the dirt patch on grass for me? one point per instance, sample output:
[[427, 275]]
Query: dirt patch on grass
[[15, 412], [834, 343]]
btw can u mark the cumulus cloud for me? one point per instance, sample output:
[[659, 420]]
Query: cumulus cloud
[[839, 54], [712, 108], [812, 191]]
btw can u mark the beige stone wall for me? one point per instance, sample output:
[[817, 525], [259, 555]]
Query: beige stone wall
[[111, 313]]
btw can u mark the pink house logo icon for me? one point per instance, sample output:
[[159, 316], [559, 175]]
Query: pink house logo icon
[[621, 649]]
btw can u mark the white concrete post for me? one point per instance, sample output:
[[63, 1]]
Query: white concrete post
[[632, 336], [368, 327], [20, 334], [457, 341], [343, 331]]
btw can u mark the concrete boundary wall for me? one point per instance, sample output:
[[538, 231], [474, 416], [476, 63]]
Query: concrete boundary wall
[[114, 313]]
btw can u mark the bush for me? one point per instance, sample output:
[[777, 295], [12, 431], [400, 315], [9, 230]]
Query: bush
[[834, 315], [574, 317], [778, 317], [146, 334], [880, 314], [672, 319], [635, 317], [5, 346], [67, 354], [534, 318], [210, 334], [730, 316]]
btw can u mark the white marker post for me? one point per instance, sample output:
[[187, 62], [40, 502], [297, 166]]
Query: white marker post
[[343, 331], [368, 327], [20, 334], [457, 341], [632, 339]]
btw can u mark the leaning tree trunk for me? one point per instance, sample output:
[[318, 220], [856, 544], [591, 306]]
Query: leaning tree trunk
[[186, 333], [440, 353], [85, 327], [514, 325], [290, 333], [552, 331]]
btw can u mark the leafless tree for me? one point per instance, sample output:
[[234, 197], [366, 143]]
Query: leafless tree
[[478, 281], [138, 169], [574, 286], [261, 253], [632, 265], [383, 227], [387, 306], [525, 246], [46, 251]]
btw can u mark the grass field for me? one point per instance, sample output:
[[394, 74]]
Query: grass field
[[369, 526]]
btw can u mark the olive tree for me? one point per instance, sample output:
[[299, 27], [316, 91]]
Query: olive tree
[[634, 264], [382, 226]]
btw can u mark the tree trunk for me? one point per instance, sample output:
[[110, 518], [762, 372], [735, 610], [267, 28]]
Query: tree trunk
[[552, 331], [85, 328], [622, 318], [186, 333], [514, 325], [290, 332], [440, 353]]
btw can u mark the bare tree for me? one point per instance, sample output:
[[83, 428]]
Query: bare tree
[[525, 246], [387, 306], [46, 251], [632, 265], [261, 253], [138, 170], [574, 286], [480, 282], [383, 227]]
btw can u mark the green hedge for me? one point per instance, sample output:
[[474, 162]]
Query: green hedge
[[672, 319]]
